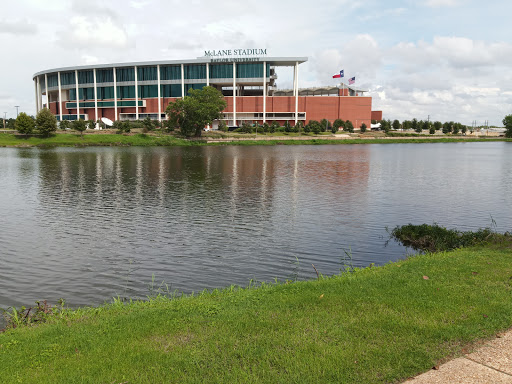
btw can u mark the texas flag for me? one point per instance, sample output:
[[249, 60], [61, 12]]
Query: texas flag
[[338, 75], [352, 80]]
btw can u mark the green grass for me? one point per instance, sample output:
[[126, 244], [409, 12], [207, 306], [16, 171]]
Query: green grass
[[102, 139], [375, 325]]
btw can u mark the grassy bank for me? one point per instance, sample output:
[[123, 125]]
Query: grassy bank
[[374, 325], [102, 139]]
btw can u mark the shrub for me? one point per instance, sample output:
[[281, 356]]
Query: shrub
[[65, 124], [338, 123], [274, 126], [363, 128], [266, 127], [223, 127], [349, 126], [79, 125], [434, 238]]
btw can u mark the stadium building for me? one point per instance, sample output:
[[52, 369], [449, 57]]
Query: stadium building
[[246, 78]]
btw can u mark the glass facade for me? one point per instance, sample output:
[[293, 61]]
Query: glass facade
[[147, 73], [53, 80], [251, 70], [125, 74], [193, 86], [67, 78], [148, 91], [85, 77], [195, 71], [105, 93], [126, 92], [171, 90], [221, 71], [170, 72], [83, 94], [105, 75]]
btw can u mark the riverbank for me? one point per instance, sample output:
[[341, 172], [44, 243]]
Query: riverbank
[[373, 325], [155, 139]]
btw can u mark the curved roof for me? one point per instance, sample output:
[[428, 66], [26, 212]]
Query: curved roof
[[274, 61]]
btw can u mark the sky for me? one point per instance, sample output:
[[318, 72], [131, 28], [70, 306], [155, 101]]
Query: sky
[[426, 59]]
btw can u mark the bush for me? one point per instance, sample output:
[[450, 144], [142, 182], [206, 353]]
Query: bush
[[434, 238], [287, 126], [274, 126], [266, 127], [349, 126], [363, 128], [325, 125], [147, 124], [65, 124], [122, 126], [223, 127], [315, 127], [338, 123], [24, 124]]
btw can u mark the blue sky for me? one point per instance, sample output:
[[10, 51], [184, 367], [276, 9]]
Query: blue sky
[[447, 59]]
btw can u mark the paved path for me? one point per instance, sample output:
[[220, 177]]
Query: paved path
[[491, 363]]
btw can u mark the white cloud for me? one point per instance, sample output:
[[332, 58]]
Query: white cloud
[[442, 3], [18, 27], [83, 32]]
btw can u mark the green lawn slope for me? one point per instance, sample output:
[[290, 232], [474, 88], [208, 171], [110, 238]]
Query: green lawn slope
[[374, 325]]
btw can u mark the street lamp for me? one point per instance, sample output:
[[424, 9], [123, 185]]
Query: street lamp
[[5, 116], [16, 106]]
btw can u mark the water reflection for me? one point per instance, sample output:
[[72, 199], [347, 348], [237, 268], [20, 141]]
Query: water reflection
[[89, 224]]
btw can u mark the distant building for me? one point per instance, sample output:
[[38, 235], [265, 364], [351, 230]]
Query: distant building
[[133, 91]]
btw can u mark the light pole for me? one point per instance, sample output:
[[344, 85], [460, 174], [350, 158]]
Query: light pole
[[16, 106], [5, 116]]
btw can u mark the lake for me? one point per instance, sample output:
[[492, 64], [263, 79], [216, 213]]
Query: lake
[[88, 224]]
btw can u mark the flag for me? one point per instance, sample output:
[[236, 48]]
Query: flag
[[352, 80], [338, 75]]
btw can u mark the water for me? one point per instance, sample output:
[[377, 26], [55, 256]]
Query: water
[[90, 224]]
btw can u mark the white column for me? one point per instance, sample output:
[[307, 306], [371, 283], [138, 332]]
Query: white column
[[47, 94], [136, 95], [208, 81], [60, 95], [234, 94], [159, 94], [95, 99], [294, 78], [35, 86], [77, 96], [39, 96], [296, 92], [115, 94], [264, 92], [182, 82]]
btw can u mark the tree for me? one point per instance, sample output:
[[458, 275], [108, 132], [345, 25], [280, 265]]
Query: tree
[[80, 126], [464, 129], [24, 124], [414, 124], [447, 127], [46, 122], [419, 126], [287, 126], [363, 128], [349, 126], [432, 130], [456, 128], [396, 125], [438, 125], [507, 122], [198, 109], [338, 123]]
